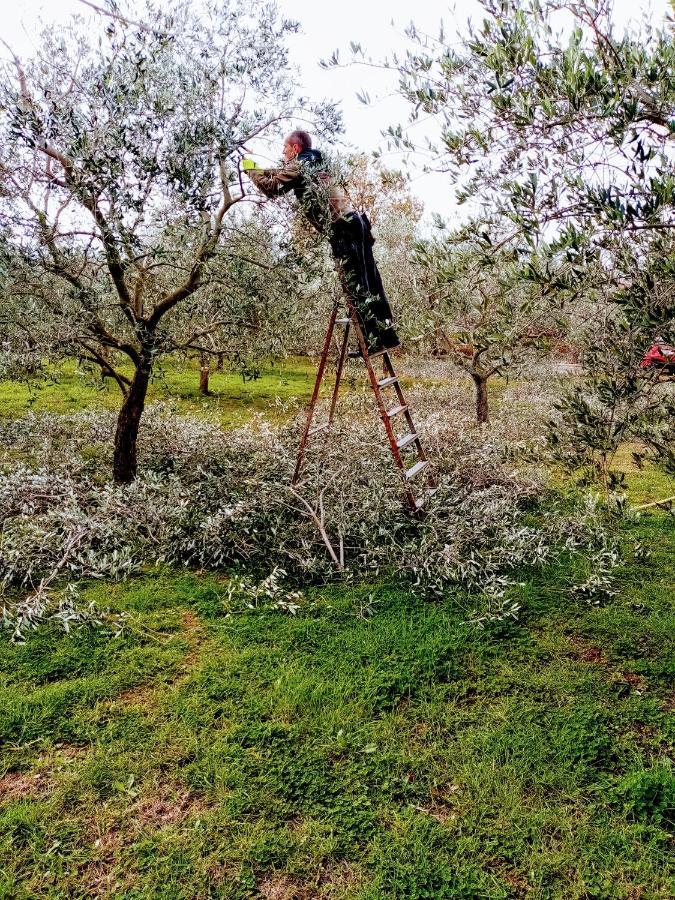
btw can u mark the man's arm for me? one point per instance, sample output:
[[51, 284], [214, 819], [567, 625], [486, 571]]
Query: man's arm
[[272, 182]]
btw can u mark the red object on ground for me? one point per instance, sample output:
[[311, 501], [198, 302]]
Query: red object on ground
[[659, 355]]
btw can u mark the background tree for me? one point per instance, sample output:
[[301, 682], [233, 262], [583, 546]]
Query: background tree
[[550, 119], [31, 333], [125, 152], [395, 214], [380, 192], [482, 314], [248, 308]]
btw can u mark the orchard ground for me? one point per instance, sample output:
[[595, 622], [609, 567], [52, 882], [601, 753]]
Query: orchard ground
[[373, 745]]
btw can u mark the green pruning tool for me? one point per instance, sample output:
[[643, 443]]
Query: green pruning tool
[[248, 165]]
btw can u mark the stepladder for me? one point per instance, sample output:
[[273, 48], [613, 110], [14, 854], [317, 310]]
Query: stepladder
[[409, 457]]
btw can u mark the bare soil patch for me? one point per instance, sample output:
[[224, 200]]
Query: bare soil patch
[[333, 879], [21, 786], [590, 654], [167, 805], [281, 887]]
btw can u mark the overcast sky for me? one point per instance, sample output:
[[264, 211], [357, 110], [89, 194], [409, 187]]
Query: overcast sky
[[326, 27]]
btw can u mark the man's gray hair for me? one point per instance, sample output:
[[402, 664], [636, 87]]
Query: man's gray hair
[[300, 137]]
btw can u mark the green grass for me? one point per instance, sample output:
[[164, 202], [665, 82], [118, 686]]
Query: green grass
[[232, 400], [404, 755], [643, 485], [327, 755]]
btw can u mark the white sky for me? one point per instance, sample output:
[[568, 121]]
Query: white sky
[[325, 28]]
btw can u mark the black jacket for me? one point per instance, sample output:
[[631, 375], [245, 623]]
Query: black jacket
[[320, 198]]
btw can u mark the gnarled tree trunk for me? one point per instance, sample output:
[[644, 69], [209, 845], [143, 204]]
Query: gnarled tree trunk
[[480, 382], [129, 418], [204, 370]]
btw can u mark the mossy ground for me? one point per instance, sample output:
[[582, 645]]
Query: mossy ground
[[373, 746]]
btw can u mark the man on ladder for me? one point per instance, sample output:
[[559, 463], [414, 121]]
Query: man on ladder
[[326, 206]]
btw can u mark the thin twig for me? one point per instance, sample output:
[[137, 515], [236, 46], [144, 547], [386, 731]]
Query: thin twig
[[319, 525], [112, 15]]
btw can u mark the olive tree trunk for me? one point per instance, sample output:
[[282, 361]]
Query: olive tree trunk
[[125, 457], [204, 371], [480, 382]]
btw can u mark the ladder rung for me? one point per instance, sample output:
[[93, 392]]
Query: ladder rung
[[395, 410], [419, 503], [416, 469], [403, 442], [385, 382], [343, 321], [318, 428]]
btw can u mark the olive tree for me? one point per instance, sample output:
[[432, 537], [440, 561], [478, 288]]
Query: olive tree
[[548, 118], [125, 145], [481, 312], [247, 308]]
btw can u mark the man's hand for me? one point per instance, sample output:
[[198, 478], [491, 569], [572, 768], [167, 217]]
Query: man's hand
[[248, 165]]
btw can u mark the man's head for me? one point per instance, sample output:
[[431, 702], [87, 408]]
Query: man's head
[[295, 143]]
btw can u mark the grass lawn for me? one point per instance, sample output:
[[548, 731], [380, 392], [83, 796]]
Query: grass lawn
[[232, 400], [373, 746]]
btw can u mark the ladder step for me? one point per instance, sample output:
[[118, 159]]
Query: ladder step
[[318, 428], [421, 501], [404, 442], [395, 411], [416, 469], [385, 382], [343, 321]]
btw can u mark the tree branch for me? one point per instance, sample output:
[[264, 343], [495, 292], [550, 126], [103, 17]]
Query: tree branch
[[122, 381], [204, 253]]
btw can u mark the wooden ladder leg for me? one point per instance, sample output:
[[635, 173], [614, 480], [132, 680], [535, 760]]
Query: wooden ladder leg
[[389, 371], [431, 481], [372, 375], [315, 395], [338, 373]]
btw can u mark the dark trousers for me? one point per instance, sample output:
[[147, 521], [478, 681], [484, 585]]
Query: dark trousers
[[352, 242]]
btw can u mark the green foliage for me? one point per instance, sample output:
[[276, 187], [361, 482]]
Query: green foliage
[[564, 142], [649, 795], [621, 403]]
